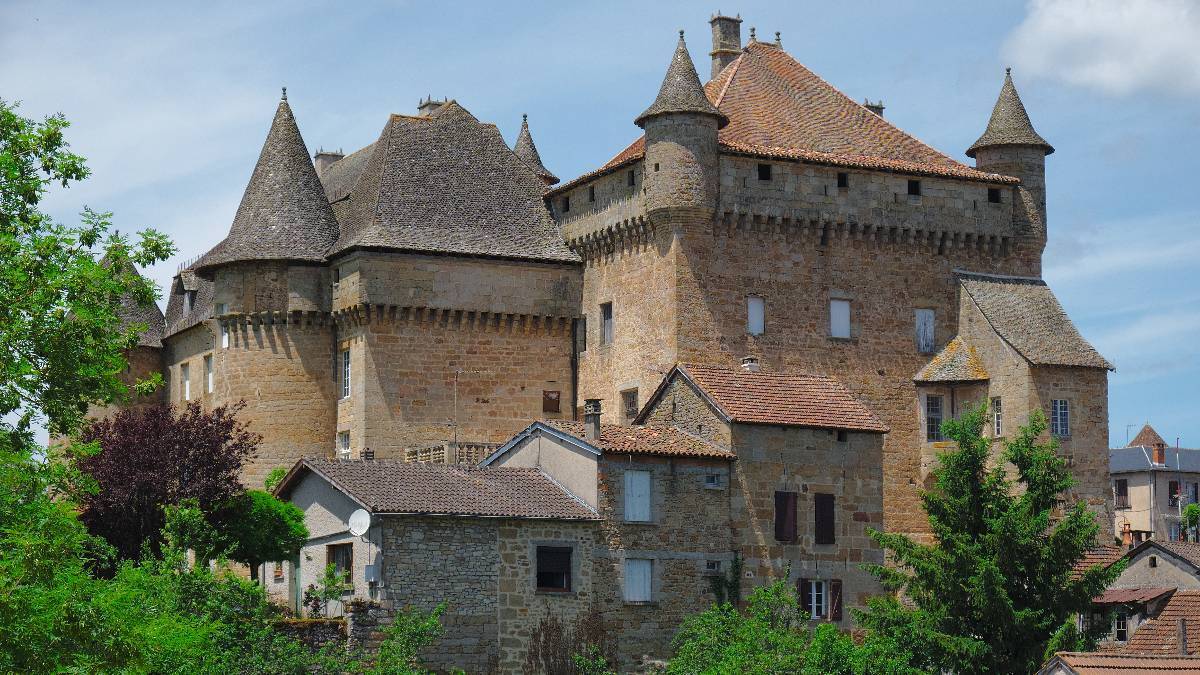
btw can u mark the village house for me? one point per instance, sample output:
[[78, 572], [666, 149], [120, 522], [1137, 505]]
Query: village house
[[1151, 485]]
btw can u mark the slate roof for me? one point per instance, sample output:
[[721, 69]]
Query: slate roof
[[1009, 124], [787, 399], [1024, 312], [1148, 437], [443, 183], [1140, 458], [957, 362], [644, 440], [526, 150], [130, 311], [177, 319], [393, 486], [681, 91], [1117, 663], [777, 108], [1160, 634], [284, 214]]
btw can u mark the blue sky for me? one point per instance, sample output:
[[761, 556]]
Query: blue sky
[[171, 101]]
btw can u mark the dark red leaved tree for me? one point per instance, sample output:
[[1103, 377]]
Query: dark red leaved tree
[[157, 456]]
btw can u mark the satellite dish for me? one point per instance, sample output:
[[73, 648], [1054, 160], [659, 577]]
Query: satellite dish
[[359, 523]]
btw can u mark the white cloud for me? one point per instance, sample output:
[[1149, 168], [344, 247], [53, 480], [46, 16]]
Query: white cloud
[[1115, 46]]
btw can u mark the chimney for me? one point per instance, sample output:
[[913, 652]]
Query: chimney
[[876, 107], [591, 419], [1183, 645], [727, 41], [1159, 454], [750, 364], [1126, 535], [368, 453], [427, 106], [324, 158]]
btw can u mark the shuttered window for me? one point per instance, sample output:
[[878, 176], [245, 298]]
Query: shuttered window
[[785, 516], [821, 599], [637, 496], [839, 318], [638, 580], [924, 327], [824, 520]]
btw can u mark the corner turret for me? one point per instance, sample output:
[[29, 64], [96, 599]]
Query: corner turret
[[1011, 147], [681, 164], [526, 150]]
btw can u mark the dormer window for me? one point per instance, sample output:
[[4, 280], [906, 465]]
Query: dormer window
[[764, 172], [189, 300]]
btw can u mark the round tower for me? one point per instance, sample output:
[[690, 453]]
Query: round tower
[[682, 164], [1011, 147]]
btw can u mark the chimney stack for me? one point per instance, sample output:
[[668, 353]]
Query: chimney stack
[[1126, 535], [1159, 453], [591, 419], [427, 106], [876, 107], [1183, 645], [727, 41], [750, 364], [324, 158]]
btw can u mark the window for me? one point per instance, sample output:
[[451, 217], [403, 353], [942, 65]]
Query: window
[[755, 315], [208, 374], [1173, 532], [1193, 493], [821, 599], [632, 180], [343, 444], [185, 379], [656, 166], [785, 516], [843, 179], [606, 323], [712, 566], [551, 401], [581, 333], [345, 373], [341, 556], [566, 204], [914, 188], [554, 568], [764, 172], [843, 436], [591, 193], [1173, 493], [638, 575], [224, 336], [923, 319], [712, 480], [933, 418], [278, 571], [629, 404], [1060, 418], [220, 308], [839, 318], [189, 301], [823, 518], [337, 275], [1154, 561], [1121, 626], [997, 417], [637, 496], [993, 195]]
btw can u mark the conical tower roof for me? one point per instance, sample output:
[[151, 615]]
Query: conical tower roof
[[681, 91], [1147, 437], [1010, 123], [527, 151], [284, 214]]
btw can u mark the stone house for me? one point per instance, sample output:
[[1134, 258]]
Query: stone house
[[1151, 485]]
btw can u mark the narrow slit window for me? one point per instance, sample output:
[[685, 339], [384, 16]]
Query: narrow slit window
[[345, 373], [208, 373], [631, 179], [756, 319], [591, 193], [764, 172], [224, 336], [606, 323], [843, 179], [185, 379], [566, 204], [997, 417]]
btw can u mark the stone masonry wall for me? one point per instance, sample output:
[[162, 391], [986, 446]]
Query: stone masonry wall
[[680, 406]]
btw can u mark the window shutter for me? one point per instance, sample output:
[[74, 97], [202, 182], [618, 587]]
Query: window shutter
[[785, 516], [637, 580], [824, 513], [805, 595], [835, 600], [925, 337], [839, 318], [755, 315], [637, 496]]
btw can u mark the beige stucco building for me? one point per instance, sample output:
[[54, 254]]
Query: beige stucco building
[[1151, 485]]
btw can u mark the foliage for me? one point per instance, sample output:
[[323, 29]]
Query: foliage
[[591, 662], [157, 456], [274, 478], [1190, 519], [554, 646], [768, 638], [255, 527], [997, 584], [330, 587], [410, 632], [728, 587]]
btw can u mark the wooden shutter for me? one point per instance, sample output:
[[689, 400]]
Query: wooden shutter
[[638, 580], [824, 515], [785, 516], [637, 496], [805, 594], [835, 600], [839, 318]]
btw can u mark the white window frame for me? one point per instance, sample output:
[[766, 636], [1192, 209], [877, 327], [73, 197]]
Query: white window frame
[[818, 599], [756, 315], [997, 417], [345, 371], [343, 443], [224, 336], [638, 488], [932, 436], [1060, 417], [185, 379], [839, 318], [925, 325], [1121, 625], [208, 373], [639, 580]]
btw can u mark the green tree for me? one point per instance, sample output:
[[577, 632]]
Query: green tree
[[996, 585], [255, 527]]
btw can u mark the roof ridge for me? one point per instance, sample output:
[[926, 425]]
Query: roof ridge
[[1001, 277], [732, 74]]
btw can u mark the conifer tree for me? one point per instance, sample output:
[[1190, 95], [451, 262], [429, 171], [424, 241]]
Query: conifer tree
[[997, 586]]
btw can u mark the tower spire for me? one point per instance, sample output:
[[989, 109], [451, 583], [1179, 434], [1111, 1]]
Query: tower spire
[[1009, 124], [681, 91], [526, 150]]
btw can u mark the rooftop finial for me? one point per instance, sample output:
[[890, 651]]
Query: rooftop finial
[[284, 93], [778, 40], [524, 117], [1008, 70], [680, 33], [752, 38]]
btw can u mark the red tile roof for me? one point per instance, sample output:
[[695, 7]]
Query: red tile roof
[[1125, 596], [1094, 663], [650, 440], [778, 108], [1188, 550], [1160, 635], [789, 399], [1147, 437], [1101, 555]]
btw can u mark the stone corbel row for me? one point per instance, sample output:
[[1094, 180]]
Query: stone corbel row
[[627, 236], [297, 318], [457, 319]]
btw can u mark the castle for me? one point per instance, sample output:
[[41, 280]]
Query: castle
[[429, 295]]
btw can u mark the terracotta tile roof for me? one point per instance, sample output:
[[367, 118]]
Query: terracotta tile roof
[[1024, 312], [1160, 635], [1098, 663], [1188, 550], [1126, 596], [681, 91], [778, 108], [1009, 123], [443, 183], [1101, 555], [284, 214], [789, 399], [526, 150], [393, 486], [1147, 437], [648, 440], [957, 362]]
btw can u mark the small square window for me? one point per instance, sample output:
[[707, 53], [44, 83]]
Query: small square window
[[554, 568], [341, 556], [551, 401], [712, 566], [843, 179], [629, 404], [566, 203], [994, 195], [591, 193], [656, 166], [712, 480], [219, 308], [764, 172], [843, 436], [914, 188], [631, 179]]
